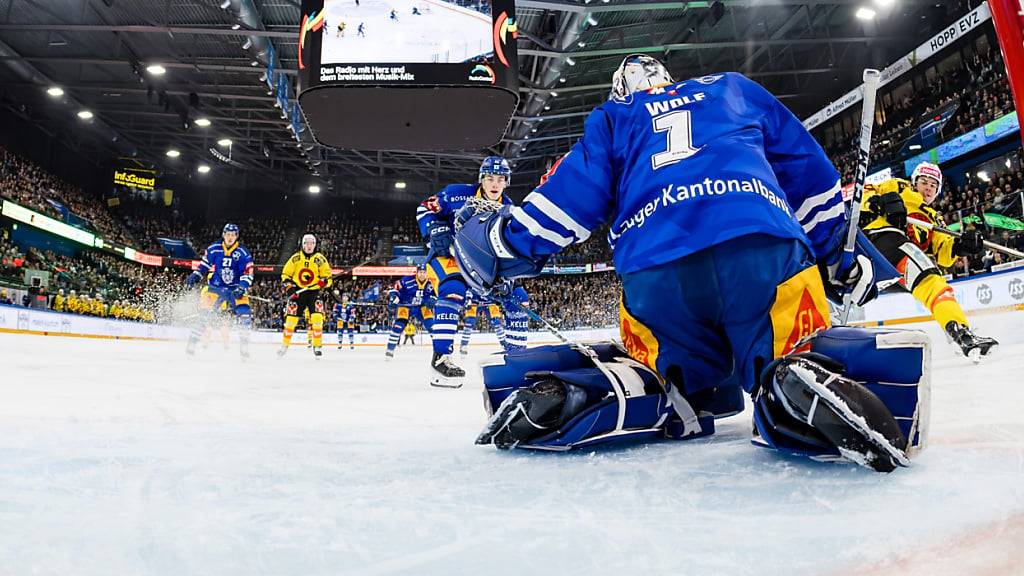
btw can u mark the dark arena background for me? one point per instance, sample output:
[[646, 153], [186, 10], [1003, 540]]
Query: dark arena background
[[142, 431]]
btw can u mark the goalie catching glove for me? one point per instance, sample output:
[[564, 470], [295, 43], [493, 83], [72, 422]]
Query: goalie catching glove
[[481, 253]]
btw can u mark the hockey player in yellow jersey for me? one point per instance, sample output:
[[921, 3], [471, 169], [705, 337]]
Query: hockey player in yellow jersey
[[915, 251], [305, 275]]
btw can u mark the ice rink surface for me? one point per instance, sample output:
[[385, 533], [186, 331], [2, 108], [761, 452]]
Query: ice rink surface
[[123, 457]]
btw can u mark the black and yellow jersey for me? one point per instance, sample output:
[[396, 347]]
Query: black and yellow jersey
[[306, 270], [936, 244]]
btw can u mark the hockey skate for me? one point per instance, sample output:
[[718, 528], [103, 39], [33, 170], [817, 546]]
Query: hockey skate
[[463, 351], [389, 355], [318, 352], [282, 350], [446, 374], [973, 346], [190, 348]]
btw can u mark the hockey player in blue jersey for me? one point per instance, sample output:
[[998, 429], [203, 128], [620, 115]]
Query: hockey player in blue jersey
[[345, 319], [478, 308], [727, 223], [517, 320], [412, 297], [230, 267], [435, 217]]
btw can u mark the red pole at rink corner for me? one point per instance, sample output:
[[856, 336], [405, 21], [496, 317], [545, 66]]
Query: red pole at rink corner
[[1008, 17]]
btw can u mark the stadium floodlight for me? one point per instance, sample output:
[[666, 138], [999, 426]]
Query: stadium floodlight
[[554, 94], [156, 70], [204, 122], [865, 13], [983, 176], [55, 91], [172, 153], [203, 168], [224, 142], [591, 20], [85, 114], [547, 107], [562, 79], [247, 44], [570, 61], [884, 3], [400, 185], [915, 147], [236, 26], [314, 189]]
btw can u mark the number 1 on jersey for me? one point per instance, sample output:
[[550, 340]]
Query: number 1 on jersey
[[680, 138]]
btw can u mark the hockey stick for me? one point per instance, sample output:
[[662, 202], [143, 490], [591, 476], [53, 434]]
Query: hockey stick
[[955, 234], [867, 121], [547, 325]]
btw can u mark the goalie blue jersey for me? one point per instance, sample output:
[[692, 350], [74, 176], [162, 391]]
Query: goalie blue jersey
[[231, 266], [444, 205], [681, 168]]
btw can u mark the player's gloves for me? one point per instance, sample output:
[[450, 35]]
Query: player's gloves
[[970, 243], [440, 238], [482, 254], [239, 291], [193, 278], [890, 206], [322, 283], [291, 291], [859, 273]]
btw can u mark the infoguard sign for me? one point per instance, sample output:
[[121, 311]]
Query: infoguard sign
[[134, 179]]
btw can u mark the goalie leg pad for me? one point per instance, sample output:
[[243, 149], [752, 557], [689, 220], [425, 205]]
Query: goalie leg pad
[[616, 400], [810, 389], [880, 375]]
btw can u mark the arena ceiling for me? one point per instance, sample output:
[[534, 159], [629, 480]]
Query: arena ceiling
[[99, 52]]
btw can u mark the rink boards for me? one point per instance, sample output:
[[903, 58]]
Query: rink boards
[[986, 294]]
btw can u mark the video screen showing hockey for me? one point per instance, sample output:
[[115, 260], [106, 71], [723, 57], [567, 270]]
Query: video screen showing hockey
[[405, 31], [729, 288]]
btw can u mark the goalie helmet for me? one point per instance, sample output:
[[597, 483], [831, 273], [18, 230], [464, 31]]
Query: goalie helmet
[[638, 72], [927, 169]]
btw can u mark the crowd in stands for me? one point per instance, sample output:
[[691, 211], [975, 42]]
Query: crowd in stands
[[345, 240], [27, 184], [576, 301], [405, 231], [149, 219], [978, 85]]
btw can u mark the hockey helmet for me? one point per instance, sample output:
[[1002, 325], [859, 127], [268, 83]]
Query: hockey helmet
[[497, 166], [927, 169], [310, 240], [229, 227], [638, 72]]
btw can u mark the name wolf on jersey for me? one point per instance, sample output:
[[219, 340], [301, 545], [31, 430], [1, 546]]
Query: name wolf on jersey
[[656, 108], [708, 187]]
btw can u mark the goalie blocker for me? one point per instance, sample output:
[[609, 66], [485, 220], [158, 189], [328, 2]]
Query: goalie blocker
[[857, 394]]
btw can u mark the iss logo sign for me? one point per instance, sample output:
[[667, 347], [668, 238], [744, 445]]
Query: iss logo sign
[[1016, 289], [984, 294]]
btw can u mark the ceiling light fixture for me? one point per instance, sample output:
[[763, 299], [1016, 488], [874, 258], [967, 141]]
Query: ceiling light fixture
[[224, 142], [85, 115], [172, 153], [314, 189], [204, 122], [864, 13], [203, 169], [156, 69], [55, 91]]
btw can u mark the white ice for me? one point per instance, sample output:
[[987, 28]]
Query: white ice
[[125, 458], [441, 33]]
